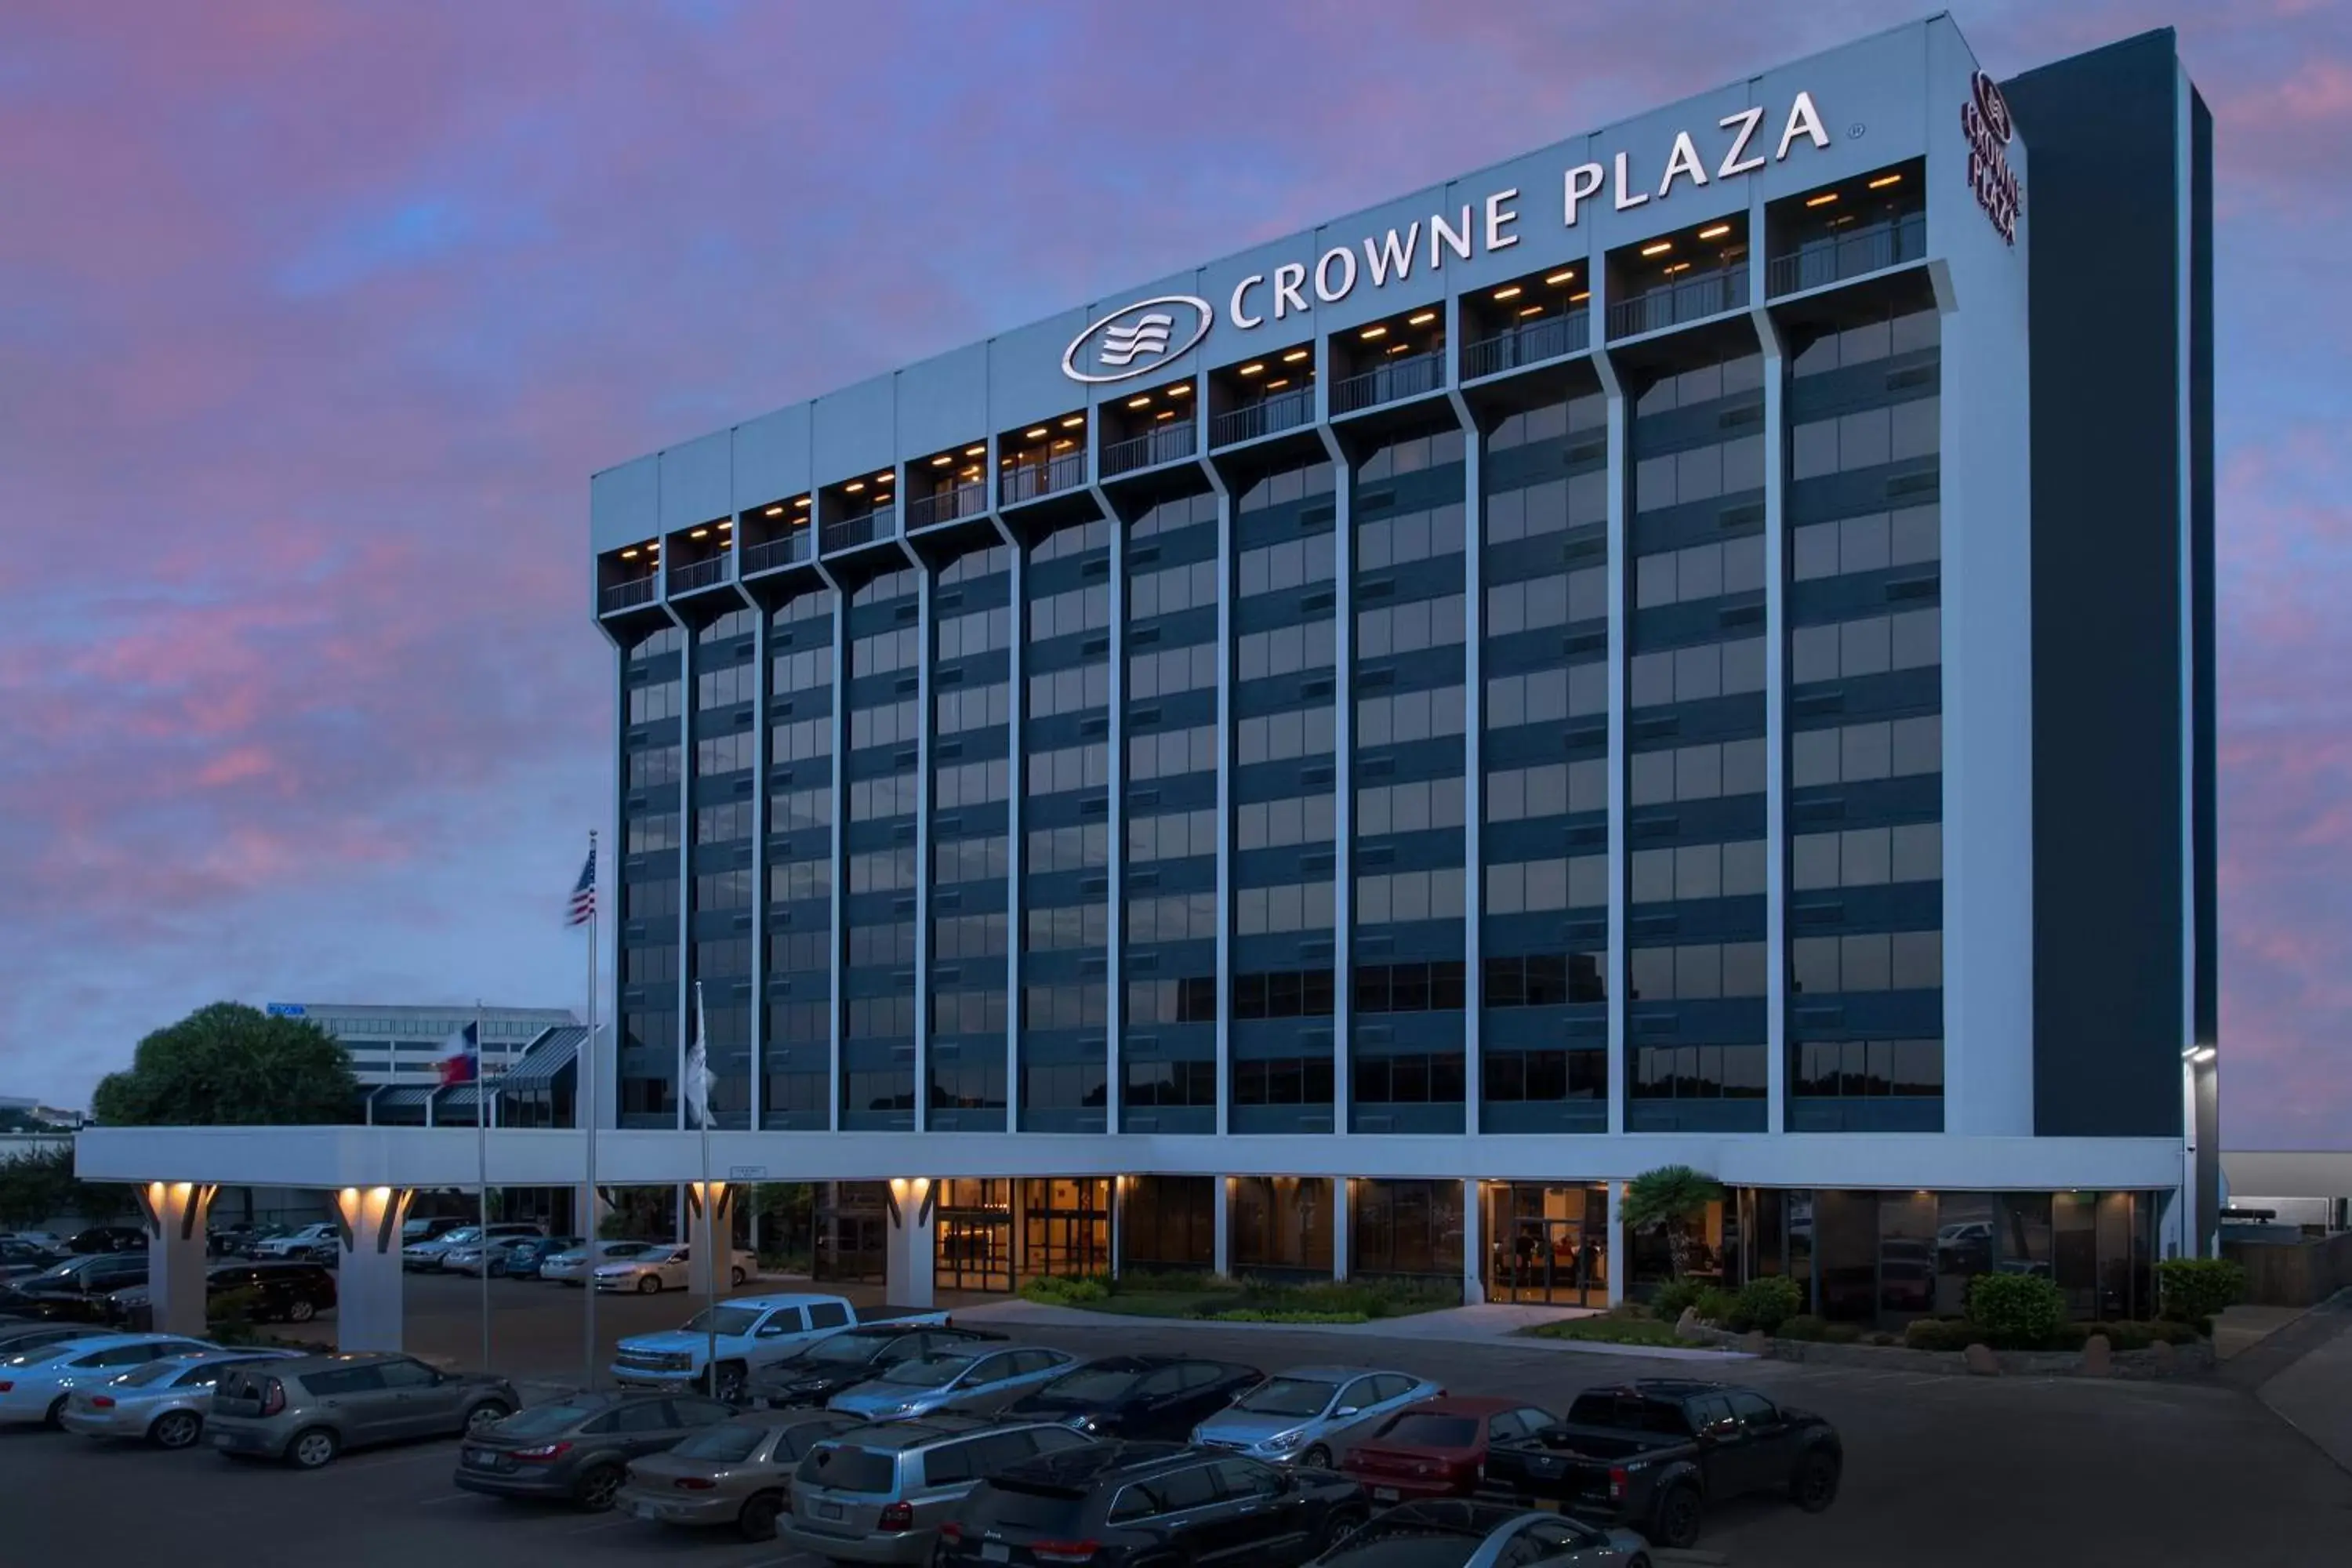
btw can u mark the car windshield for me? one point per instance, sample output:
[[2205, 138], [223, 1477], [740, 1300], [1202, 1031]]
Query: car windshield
[[728, 1321], [57, 1273], [1099, 1385], [40, 1353], [153, 1372], [928, 1371], [460, 1237], [1288, 1396], [546, 1420], [729, 1443], [624, 1248], [1420, 1429], [841, 1349]]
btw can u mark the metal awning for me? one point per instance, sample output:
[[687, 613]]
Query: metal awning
[[406, 1097], [544, 1061]]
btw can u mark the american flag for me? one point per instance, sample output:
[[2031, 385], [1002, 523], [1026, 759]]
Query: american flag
[[583, 893]]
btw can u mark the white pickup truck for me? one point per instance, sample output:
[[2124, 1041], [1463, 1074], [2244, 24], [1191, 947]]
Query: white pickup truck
[[721, 1346]]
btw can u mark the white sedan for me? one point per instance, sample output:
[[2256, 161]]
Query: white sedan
[[35, 1383], [667, 1267], [571, 1265]]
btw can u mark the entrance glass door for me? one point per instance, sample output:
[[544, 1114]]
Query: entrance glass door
[[1066, 1227], [1547, 1244], [974, 1247]]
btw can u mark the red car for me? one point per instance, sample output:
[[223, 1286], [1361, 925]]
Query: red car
[[1434, 1448]]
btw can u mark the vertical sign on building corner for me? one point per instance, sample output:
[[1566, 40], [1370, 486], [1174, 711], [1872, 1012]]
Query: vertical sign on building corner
[[1985, 121]]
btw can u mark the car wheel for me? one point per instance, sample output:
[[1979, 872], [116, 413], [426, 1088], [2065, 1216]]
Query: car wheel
[[758, 1519], [1317, 1457], [727, 1382], [176, 1429], [1676, 1522], [596, 1489], [649, 1285], [1640, 1561], [300, 1310], [1342, 1523], [312, 1448], [1815, 1486], [736, 1276], [489, 1413], [55, 1416]]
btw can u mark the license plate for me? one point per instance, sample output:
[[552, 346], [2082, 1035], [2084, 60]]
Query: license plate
[[644, 1510], [995, 1552], [828, 1510], [1384, 1494], [1546, 1505], [479, 1456]]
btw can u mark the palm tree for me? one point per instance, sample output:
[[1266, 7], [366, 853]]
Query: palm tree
[[1670, 1197]]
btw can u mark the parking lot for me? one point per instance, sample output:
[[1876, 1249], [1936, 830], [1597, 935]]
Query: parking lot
[[1939, 1470]]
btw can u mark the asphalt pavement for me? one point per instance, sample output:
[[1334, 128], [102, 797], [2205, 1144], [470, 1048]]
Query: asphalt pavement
[[1941, 1472]]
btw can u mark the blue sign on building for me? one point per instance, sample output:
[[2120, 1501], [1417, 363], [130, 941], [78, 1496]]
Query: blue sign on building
[[286, 1010]]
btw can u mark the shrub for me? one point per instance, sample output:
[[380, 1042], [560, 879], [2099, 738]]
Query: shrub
[[231, 1315], [1840, 1334], [2018, 1312], [2138, 1336], [1261, 1315], [1674, 1295], [1714, 1306], [1766, 1303], [1060, 1290], [1627, 1311], [1804, 1326], [1175, 1281], [2197, 1289], [1941, 1334], [1880, 1338]]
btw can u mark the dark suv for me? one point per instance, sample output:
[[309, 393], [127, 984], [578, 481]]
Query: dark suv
[[279, 1293], [75, 1291], [1122, 1503]]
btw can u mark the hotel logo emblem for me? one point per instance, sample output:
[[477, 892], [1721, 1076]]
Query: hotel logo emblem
[[1137, 338]]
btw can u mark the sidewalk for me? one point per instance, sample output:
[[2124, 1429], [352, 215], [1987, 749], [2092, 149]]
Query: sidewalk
[[2313, 1394], [1488, 1324]]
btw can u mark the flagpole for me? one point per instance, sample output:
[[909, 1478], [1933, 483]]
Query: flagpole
[[587, 1098], [482, 1164]]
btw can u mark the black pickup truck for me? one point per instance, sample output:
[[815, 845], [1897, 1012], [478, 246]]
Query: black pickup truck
[[1654, 1454]]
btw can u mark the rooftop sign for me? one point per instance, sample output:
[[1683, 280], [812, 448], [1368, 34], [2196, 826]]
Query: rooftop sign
[[1141, 337]]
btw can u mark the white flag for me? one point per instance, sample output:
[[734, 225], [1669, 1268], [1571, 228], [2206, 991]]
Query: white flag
[[698, 1076]]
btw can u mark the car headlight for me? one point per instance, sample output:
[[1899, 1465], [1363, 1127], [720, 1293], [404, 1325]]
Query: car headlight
[[1283, 1442]]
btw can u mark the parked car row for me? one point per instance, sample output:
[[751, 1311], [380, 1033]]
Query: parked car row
[[903, 1438]]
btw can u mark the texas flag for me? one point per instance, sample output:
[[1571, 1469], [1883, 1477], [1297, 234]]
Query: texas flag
[[463, 1062]]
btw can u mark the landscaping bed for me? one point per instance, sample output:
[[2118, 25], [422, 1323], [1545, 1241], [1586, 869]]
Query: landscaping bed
[[1210, 1299]]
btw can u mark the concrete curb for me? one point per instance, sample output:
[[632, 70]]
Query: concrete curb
[[1410, 1330]]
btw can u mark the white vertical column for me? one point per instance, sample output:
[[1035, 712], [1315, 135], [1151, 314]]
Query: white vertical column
[[682, 1013], [1015, 791], [1619, 1264], [1221, 1228], [1776, 717], [923, 643], [1619, 575], [709, 1235], [908, 1260], [1115, 823], [836, 938], [756, 1034], [177, 1260], [368, 1280], [1343, 764], [1343, 1193], [1474, 1242], [1473, 744], [1228, 589]]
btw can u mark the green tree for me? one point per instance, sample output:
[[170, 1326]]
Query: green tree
[[1671, 1198], [41, 1187], [229, 1065]]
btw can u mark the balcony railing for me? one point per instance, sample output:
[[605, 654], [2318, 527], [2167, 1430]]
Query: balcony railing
[[621, 595], [864, 529], [775, 552], [1526, 343], [1027, 481], [1283, 411], [1672, 304], [946, 506], [1849, 255], [1161, 443], [693, 575], [1407, 375]]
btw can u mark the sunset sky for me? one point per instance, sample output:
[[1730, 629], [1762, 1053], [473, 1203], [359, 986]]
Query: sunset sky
[[315, 318]]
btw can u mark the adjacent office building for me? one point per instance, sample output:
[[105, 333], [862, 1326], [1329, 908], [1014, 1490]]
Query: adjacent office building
[[403, 1044], [1693, 644]]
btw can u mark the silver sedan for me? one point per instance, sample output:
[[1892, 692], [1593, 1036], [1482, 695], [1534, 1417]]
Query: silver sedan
[[977, 1383], [1298, 1415], [1484, 1535], [163, 1403]]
